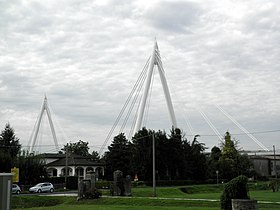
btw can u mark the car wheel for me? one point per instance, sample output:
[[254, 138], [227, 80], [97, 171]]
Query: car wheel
[[17, 192], [39, 191], [51, 190]]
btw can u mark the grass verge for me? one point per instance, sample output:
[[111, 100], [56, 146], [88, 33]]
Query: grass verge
[[173, 198]]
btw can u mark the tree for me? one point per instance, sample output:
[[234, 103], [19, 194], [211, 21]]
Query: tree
[[213, 162], [119, 156], [31, 168], [95, 156], [199, 158], [175, 154], [142, 154], [231, 162], [176, 158], [78, 148], [235, 189], [9, 148], [162, 155]]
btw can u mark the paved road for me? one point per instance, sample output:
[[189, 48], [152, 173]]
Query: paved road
[[66, 193]]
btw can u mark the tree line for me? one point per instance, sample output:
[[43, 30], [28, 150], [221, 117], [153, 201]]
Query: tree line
[[177, 158], [11, 155]]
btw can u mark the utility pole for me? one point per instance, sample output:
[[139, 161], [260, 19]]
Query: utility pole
[[66, 166], [154, 167], [275, 168]]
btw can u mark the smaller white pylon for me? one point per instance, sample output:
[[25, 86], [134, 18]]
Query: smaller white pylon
[[44, 108]]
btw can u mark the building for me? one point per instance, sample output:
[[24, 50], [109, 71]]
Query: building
[[266, 165], [77, 165]]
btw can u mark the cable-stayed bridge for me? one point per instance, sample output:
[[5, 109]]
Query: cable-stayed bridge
[[135, 110]]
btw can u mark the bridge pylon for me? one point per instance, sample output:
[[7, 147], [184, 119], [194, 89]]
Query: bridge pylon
[[34, 135], [155, 61]]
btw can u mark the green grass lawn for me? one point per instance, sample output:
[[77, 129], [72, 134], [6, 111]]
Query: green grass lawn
[[205, 197]]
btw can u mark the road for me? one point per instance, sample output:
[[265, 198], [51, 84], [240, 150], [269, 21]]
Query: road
[[62, 193]]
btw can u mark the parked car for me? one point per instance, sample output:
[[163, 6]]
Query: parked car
[[16, 189], [42, 187]]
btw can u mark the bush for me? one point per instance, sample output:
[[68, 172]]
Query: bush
[[94, 194], [103, 184], [274, 185], [72, 183], [55, 180], [235, 189]]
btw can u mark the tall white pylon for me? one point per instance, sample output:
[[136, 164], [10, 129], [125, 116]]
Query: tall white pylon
[[155, 60], [45, 108]]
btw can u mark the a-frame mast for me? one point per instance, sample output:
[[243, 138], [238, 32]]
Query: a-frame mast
[[44, 108], [155, 60]]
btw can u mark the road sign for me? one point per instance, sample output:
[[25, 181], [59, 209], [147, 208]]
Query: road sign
[[15, 172]]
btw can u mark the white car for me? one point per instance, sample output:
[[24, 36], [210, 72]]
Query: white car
[[16, 189], [42, 187]]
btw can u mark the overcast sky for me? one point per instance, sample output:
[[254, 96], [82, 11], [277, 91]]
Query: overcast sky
[[86, 56]]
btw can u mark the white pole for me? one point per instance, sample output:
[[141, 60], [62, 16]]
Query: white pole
[[166, 92], [38, 126], [52, 127]]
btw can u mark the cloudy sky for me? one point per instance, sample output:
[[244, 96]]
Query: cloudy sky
[[86, 56]]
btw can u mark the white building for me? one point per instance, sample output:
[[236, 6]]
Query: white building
[[77, 165]]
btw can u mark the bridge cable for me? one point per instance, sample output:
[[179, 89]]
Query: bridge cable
[[124, 107], [133, 102], [149, 101]]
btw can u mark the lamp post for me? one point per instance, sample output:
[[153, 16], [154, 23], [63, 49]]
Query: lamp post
[[154, 167], [217, 172]]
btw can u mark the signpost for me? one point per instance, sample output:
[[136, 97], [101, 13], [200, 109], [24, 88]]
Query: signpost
[[15, 172]]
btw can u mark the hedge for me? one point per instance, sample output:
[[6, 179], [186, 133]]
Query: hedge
[[235, 189]]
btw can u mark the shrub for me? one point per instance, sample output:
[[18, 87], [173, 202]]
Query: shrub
[[103, 184], [94, 194], [274, 185], [234, 189], [72, 183]]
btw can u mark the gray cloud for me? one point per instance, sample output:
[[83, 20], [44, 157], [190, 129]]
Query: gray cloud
[[87, 55], [174, 16]]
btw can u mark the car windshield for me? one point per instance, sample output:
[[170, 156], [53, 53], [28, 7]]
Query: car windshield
[[38, 185]]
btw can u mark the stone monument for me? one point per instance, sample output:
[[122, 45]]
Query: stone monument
[[86, 187], [121, 186]]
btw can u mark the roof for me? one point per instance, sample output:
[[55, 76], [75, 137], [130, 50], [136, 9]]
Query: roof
[[75, 161], [265, 157], [52, 155], [59, 156]]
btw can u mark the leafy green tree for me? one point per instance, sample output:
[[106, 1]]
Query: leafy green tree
[[142, 154], [199, 171], [176, 158], [95, 156], [231, 162], [236, 188], [77, 148], [9, 148], [5, 162], [175, 154], [162, 155], [213, 162], [118, 156], [31, 168]]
